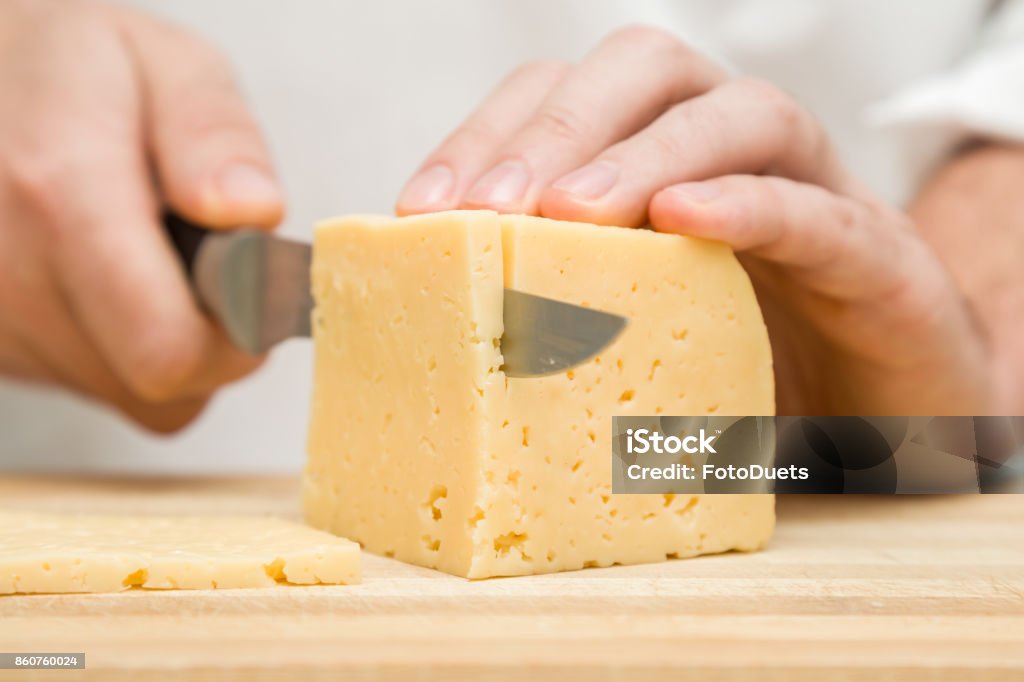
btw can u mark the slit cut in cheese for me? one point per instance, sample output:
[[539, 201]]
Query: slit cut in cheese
[[60, 553], [422, 449]]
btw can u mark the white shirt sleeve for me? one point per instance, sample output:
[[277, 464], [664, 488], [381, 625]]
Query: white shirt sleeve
[[982, 95]]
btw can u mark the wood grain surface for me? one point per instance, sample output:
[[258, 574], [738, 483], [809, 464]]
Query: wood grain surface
[[851, 588]]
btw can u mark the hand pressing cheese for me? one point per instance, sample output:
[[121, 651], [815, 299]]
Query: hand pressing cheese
[[422, 449], [57, 553]]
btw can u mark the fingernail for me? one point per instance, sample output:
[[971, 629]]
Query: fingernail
[[697, 192], [591, 182], [246, 183], [504, 185], [427, 189]]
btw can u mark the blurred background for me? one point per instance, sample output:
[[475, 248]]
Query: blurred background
[[353, 95]]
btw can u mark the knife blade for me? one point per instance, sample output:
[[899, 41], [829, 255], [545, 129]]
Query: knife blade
[[257, 287]]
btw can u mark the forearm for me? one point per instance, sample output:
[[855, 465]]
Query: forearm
[[971, 211]]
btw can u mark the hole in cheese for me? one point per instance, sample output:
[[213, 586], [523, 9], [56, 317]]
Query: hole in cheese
[[136, 578], [503, 544], [437, 494]]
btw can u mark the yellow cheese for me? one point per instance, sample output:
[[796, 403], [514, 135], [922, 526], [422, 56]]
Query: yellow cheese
[[57, 553], [422, 449]]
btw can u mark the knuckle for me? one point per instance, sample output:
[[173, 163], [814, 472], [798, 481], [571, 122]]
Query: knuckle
[[782, 109], [538, 70], [473, 135], [41, 183], [653, 38], [848, 215], [876, 218], [682, 124], [667, 147], [767, 198], [47, 183], [923, 297], [562, 123], [770, 193], [36, 179]]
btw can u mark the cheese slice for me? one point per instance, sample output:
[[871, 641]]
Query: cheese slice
[[58, 553], [422, 449]]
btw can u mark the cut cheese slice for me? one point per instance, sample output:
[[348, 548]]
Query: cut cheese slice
[[422, 449], [58, 553]]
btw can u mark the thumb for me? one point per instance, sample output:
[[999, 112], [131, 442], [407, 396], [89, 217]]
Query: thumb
[[833, 245], [211, 161]]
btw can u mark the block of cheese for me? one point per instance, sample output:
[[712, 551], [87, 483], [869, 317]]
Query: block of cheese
[[421, 448], [58, 553]]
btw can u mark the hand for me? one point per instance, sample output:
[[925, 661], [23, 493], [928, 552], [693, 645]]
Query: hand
[[862, 315], [98, 108]]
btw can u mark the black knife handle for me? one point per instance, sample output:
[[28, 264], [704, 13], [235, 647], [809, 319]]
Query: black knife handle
[[186, 236]]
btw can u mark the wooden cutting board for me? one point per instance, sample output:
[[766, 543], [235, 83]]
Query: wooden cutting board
[[851, 588]]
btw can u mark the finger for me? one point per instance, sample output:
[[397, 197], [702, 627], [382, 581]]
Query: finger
[[164, 418], [61, 354], [617, 89], [77, 365], [832, 244], [444, 177], [211, 160], [115, 268], [742, 126]]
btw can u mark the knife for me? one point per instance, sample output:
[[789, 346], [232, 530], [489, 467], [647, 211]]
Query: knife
[[257, 287]]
